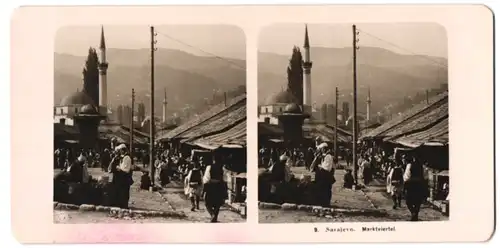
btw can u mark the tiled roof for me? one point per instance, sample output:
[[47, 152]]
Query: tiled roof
[[311, 131], [421, 121], [326, 132], [438, 133], [215, 112], [218, 123], [122, 134], [418, 117]]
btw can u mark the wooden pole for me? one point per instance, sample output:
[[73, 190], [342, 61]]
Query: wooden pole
[[131, 146], [336, 123], [354, 105], [151, 115]]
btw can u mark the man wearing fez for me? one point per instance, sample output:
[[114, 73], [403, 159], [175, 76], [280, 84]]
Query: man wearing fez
[[323, 166]]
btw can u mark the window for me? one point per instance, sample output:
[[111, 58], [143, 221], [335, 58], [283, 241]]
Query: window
[[76, 110], [62, 121], [267, 120], [61, 111]]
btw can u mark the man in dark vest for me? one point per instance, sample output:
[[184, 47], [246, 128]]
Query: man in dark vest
[[215, 188]]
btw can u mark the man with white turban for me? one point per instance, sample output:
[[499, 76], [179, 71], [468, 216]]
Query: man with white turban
[[123, 177], [323, 166]]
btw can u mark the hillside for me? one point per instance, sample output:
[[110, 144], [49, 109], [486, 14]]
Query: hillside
[[390, 76], [191, 81]]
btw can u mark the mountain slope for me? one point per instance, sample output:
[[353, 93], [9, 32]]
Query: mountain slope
[[390, 76], [191, 81]]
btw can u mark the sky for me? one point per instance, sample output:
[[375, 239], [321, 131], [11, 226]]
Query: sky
[[404, 38], [221, 40]]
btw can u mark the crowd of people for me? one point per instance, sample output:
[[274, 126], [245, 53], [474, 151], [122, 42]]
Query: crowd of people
[[74, 171], [202, 175], [403, 173], [201, 179]]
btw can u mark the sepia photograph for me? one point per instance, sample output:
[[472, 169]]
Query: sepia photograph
[[351, 109], [149, 124], [353, 123]]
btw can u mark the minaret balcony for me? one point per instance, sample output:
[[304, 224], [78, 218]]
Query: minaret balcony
[[307, 64], [103, 66]]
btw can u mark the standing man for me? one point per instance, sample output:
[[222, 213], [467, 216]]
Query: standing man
[[193, 185], [324, 174], [395, 184], [215, 188], [415, 186], [124, 177]]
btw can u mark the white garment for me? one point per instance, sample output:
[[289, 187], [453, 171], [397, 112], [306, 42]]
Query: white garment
[[327, 163], [206, 175], [192, 190], [126, 164], [407, 174], [393, 189]]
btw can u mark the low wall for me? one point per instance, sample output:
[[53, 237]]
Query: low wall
[[322, 211], [119, 212]]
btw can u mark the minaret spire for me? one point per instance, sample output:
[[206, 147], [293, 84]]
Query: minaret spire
[[306, 39], [103, 43], [306, 66], [368, 105], [164, 119], [103, 68]]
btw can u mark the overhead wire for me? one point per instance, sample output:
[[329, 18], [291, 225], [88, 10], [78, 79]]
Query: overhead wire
[[404, 49], [201, 50]]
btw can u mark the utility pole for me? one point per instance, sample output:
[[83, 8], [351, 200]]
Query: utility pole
[[336, 123], [427, 96], [225, 99], [355, 41], [151, 113], [132, 128]]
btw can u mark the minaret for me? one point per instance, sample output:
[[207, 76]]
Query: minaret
[[165, 107], [103, 67], [368, 105], [307, 65]]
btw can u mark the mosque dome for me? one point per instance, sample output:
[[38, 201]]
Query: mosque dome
[[281, 97], [293, 108], [77, 98], [88, 109]]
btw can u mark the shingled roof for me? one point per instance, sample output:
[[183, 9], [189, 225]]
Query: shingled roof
[[414, 118], [234, 136], [122, 134], [423, 124], [437, 134], [212, 121], [326, 132]]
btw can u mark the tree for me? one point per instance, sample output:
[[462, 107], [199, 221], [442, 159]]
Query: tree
[[91, 76], [295, 76]]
